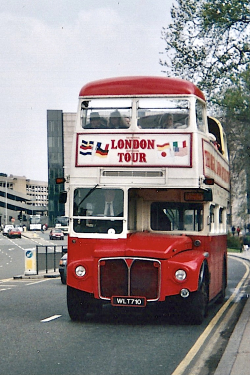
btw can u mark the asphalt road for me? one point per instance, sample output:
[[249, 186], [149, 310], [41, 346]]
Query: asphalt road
[[37, 336]]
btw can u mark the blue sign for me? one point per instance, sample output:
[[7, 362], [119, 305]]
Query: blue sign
[[29, 254]]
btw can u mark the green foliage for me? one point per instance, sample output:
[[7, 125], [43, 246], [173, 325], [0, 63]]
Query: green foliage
[[224, 14], [234, 242], [208, 41]]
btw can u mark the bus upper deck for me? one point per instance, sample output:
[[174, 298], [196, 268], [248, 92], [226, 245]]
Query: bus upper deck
[[148, 129]]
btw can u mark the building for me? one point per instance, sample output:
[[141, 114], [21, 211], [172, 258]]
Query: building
[[60, 129], [21, 197]]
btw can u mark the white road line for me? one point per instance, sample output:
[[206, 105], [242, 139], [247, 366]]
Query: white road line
[[4, 280], [37, 282], [53, 317], [9, 285]]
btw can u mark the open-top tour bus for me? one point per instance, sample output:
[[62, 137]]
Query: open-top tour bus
[[148, 192]]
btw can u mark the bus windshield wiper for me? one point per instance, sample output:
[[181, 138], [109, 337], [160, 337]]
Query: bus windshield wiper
[[88, 194]]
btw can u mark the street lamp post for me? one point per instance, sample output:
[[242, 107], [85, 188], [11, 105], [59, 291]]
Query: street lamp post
[[6, 208]]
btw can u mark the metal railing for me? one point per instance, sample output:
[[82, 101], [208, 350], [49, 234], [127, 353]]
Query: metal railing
[[48, 257]]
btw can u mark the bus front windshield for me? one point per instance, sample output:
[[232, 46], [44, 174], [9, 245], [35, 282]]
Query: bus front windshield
[[35, 219], [98, 210]]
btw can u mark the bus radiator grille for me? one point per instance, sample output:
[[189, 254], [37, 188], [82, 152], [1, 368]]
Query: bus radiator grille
[[129, 277]]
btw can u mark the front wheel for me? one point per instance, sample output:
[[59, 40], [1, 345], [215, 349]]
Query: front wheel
[[77, 303], [80, 303], [198, 301]]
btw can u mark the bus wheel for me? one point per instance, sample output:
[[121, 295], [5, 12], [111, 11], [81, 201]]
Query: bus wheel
[[224, 284], [198, 301], [78, 303]]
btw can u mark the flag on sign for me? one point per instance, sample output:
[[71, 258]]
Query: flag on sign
[[180, 148], [86, 147], [100, 151]]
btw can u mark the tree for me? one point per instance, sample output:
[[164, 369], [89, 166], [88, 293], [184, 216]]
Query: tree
[[208, 41], [235, 102]]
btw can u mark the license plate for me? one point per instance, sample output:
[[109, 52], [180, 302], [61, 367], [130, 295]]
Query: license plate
[[129, 301]]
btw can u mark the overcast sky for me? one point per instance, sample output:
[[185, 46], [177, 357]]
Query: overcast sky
[[51, 48]]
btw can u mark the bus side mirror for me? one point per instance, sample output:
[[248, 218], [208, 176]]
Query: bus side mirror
[[63, 197]]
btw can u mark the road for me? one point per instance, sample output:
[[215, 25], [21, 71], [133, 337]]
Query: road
[[37, 336], [12, 251]]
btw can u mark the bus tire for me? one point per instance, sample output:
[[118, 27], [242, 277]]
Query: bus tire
[[198, 301], [224, 284], [63, 279], [77, 303]]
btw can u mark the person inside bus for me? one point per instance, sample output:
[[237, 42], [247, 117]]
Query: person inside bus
[[159, 219], [116, 121], [95, 122], [113, 204], [167, 121]]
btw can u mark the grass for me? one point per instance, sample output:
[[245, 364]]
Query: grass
[[233, 250]]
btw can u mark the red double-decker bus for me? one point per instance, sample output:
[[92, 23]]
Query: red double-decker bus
[[148, 195]]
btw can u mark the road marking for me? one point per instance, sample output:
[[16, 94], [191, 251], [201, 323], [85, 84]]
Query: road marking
[[4, 280], [196, 347], [8, 285], [37, 282], [53, 317]]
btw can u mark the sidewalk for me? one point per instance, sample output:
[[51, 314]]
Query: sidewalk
[[236, 358]]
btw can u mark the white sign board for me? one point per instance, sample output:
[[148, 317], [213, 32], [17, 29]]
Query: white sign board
[[137, 150]]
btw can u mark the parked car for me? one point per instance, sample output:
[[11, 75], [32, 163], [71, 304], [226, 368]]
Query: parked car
[[63, 268], [6, 229], [14, 233], [56, 234]]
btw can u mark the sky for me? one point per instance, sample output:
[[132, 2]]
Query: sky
[[50, 49]]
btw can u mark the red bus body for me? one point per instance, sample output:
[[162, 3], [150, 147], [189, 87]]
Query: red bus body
[[166, 242]]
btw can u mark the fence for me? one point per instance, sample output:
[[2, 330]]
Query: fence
[[48, 257]]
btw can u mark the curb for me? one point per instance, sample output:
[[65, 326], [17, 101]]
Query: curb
[[39, 276], [229, 358], [229, 363]]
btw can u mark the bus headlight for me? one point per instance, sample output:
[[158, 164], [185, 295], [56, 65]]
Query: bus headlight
[[180, 275], [80, 271]]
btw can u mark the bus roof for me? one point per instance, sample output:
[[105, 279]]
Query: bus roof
[[133, 86]]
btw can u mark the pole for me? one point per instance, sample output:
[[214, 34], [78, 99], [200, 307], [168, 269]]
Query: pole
[[6, 208]]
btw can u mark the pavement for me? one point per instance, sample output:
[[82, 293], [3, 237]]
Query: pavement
[[236, 357]]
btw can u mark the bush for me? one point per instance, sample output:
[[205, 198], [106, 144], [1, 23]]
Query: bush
[[234, 242]]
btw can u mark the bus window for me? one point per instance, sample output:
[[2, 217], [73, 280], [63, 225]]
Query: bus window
[[98, 210], [176, 216], [215, 127], [106, 114], [222, 219], [158, 113], [221, 215], [200, 116], [212, 221]]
